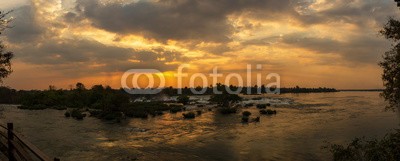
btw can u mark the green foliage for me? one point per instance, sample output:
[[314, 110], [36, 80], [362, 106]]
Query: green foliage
[[189, 115], [183, 99], [391, 64], [98, 97], [386, 149], [8, 95], [5, 56]]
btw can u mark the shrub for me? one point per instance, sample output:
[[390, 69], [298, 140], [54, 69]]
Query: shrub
[[249, 105], [112, 116], [386, 149], [95, 113], [75, 113], [245, 118], [156, 113], [189, 115], [268, 112], [33, 107], [257, 119], [227, 110], [225, 100], [60, 107], [143, 109], [262, 106], [67, 114], [246, 113], [136, 112], [176, 108], [97, 105], [183, 99]]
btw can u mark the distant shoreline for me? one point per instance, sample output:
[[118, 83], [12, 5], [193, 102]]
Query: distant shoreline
[[360, 90]]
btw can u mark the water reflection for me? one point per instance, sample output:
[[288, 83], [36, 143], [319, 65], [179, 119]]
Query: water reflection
[[296, 133]]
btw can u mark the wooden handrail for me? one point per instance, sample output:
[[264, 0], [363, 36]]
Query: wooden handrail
[[10, 137], [3, 127], [19, 148], [38, 153]]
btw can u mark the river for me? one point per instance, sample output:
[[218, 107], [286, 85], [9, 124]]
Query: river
[[297, 132]]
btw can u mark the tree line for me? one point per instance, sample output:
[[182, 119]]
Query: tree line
[[98, 95]]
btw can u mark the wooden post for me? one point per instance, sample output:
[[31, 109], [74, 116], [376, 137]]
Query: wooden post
[[10, 137]]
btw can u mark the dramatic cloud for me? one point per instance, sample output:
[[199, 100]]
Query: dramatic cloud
[[25, 26], [205, 20], [85, 38], [362, 49]]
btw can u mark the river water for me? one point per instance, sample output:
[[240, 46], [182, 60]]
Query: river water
[[301, 127]]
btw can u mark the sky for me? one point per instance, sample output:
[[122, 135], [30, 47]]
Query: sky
[[309, 43]]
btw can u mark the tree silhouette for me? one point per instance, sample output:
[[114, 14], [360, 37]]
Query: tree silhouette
[[391, 64], [5, 56]]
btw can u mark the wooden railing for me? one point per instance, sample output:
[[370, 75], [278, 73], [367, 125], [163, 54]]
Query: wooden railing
[[14, 147]]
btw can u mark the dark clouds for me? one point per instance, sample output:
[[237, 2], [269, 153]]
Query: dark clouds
[[358, 49], [36, 41], [360, 13], [82, 56], [201, 20], [25, 27], [72, 51]]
